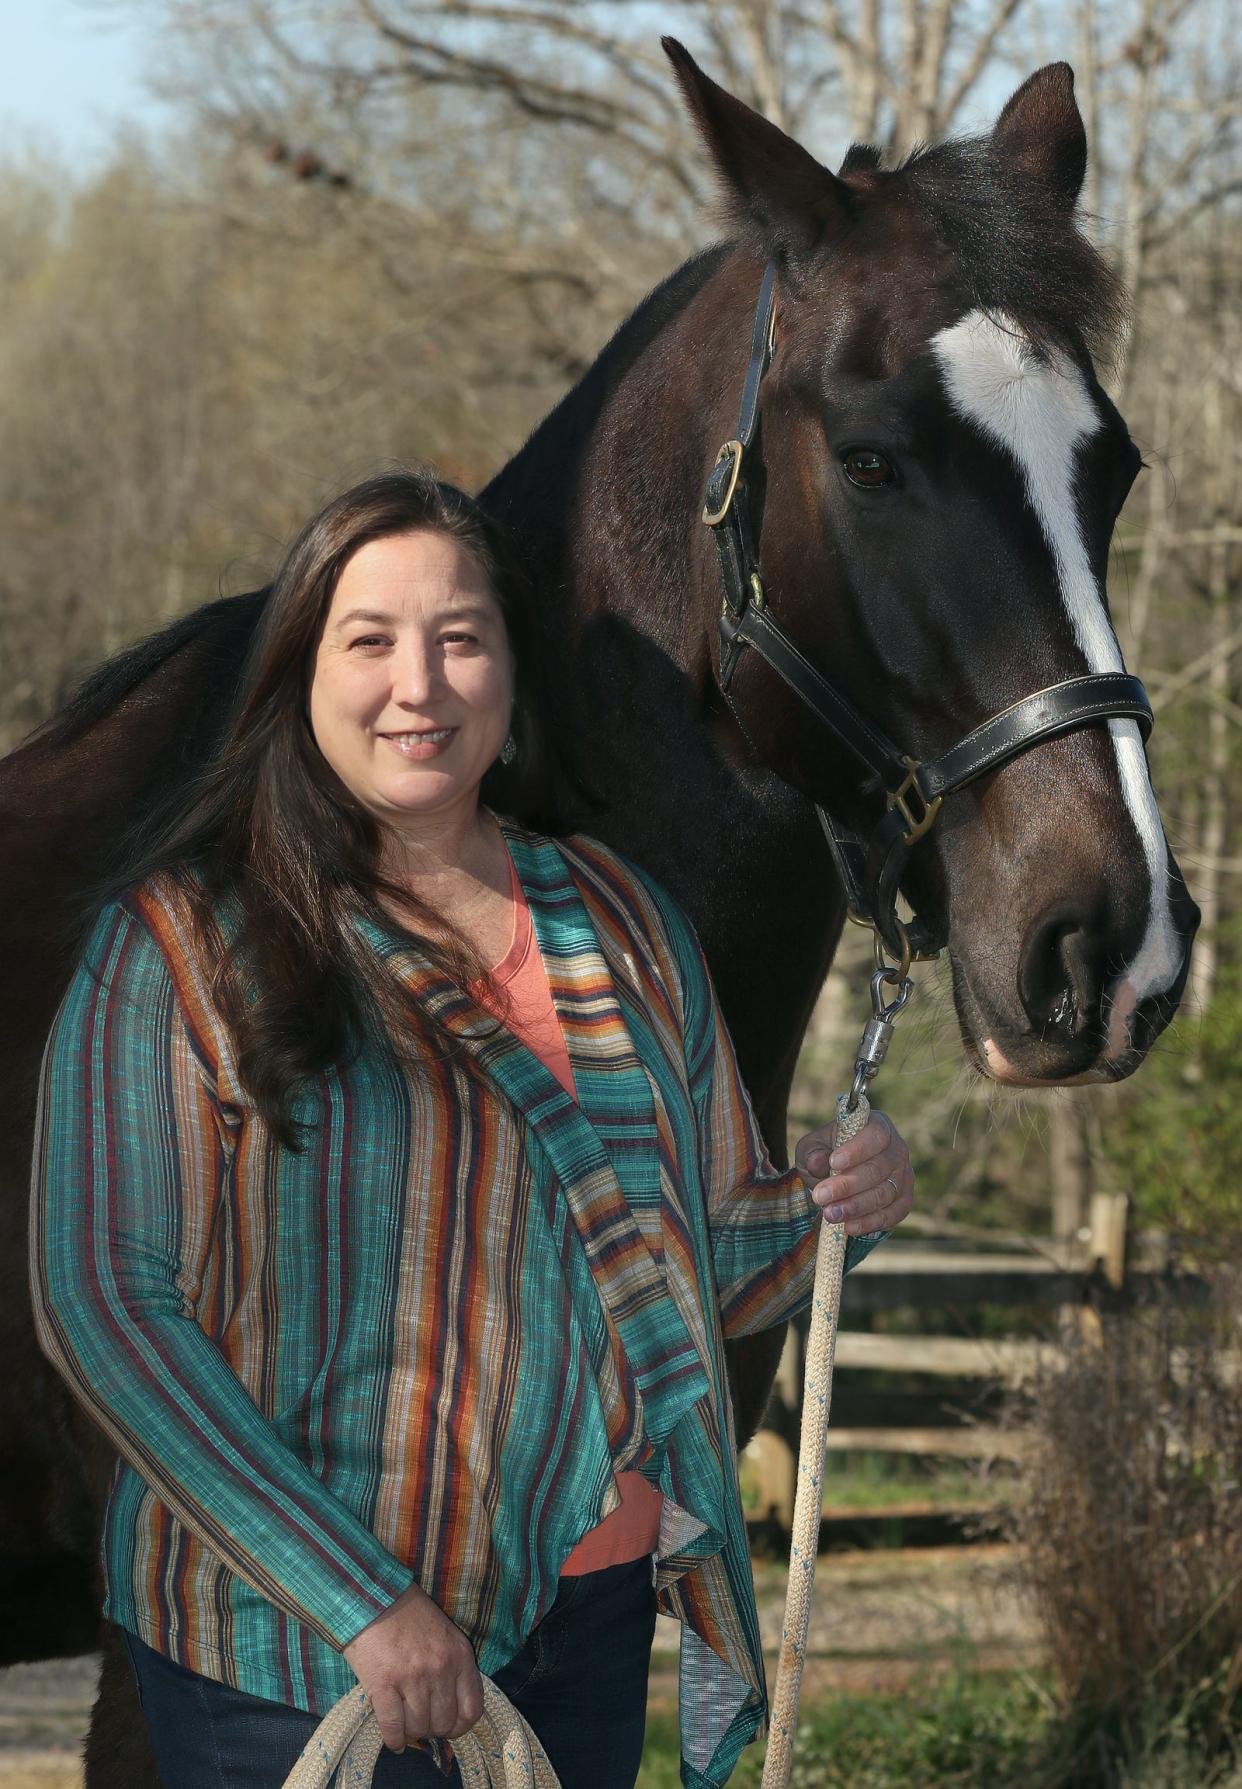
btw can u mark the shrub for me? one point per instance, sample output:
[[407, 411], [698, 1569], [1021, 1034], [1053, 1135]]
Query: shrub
[[1129, 1519]]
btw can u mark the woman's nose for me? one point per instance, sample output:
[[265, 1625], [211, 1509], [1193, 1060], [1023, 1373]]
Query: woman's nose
[[416, 675]]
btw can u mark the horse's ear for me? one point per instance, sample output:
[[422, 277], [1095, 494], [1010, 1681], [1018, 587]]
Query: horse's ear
[[770, 182], [1041, 132]]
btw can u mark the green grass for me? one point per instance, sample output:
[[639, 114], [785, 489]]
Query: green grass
[[962, 1730], [877, 1481]]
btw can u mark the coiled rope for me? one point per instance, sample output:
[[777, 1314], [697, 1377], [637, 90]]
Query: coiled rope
[[501, 1751]]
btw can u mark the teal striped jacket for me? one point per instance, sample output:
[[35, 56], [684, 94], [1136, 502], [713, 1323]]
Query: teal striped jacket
[[420, 1349]]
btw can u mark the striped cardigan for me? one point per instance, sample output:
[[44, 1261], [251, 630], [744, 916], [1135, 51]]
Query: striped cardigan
[[420, 1349]]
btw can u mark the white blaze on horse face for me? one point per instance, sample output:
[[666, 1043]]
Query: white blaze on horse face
[[1039, 409]]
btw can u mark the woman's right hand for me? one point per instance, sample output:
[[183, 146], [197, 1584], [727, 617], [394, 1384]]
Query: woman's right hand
[[419, 1670]]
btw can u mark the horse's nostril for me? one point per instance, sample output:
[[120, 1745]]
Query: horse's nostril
[[1062, 1014], [1059, 983], [1081, 958]]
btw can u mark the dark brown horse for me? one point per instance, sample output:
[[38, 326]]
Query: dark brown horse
[[933, 492]]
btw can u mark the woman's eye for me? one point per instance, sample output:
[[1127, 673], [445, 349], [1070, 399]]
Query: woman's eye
[[863, 466], [470, 639], [369, 640]]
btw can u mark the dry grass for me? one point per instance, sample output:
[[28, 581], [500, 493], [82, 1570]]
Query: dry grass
[[39, 1771]]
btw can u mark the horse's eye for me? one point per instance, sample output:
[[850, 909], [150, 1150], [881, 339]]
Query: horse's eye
[[863, 466]]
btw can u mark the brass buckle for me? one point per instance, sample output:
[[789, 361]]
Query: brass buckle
[[916, 825], [712, 518]]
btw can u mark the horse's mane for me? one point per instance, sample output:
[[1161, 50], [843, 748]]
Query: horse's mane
[[1015, 250], [227, 624]]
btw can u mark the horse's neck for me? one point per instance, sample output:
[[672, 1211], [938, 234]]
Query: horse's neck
[[608, 492], [608, 496]]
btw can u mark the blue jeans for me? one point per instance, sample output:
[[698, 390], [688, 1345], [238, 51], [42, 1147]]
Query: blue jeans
[[580, 1679]]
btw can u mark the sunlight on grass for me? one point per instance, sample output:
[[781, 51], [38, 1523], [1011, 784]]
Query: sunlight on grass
[[961, 1731], [865, 1480]]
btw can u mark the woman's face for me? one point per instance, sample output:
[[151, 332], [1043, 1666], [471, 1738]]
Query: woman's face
[[412, 684]]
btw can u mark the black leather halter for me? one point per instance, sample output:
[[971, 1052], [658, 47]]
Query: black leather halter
[[871, 870]]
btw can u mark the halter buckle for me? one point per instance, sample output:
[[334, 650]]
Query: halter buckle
[[713, 517], [916, 823]]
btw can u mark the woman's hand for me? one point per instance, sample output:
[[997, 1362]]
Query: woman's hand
[[419, 1670], [871, 1184]]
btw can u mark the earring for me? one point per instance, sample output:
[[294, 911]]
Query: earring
[[508, 751]]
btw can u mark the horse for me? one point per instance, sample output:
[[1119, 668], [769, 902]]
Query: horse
[[907, 538]]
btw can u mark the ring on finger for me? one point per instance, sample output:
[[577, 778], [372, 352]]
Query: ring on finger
[[890, 1181]]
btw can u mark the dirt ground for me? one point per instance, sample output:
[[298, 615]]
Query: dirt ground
[[877, 1619], [880, 1617], [44, 1713]]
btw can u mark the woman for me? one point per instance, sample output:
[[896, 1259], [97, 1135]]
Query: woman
[[394, 1190]]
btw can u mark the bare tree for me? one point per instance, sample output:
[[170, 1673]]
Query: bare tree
[[561, 118]]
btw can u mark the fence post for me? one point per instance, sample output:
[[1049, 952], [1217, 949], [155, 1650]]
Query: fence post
[[1107, 1221], [775, 1468]]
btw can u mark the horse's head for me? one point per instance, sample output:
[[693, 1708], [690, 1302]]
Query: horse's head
[[934, 489]]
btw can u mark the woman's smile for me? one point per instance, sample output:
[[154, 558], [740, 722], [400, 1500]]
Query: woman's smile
[[416, 745]]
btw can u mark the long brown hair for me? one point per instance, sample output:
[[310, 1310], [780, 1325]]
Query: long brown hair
[[273, 835]]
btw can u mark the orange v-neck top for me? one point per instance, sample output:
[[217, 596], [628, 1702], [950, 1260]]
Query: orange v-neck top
[[633, 1528]]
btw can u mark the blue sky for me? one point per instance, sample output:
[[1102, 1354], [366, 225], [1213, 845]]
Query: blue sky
[[69, 72], [72, 70]]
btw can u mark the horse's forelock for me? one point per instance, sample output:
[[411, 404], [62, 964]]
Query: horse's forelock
[[1015, 250]]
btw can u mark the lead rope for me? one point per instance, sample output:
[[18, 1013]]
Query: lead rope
[[853, 1111], [808, 1495], [501, 1751]]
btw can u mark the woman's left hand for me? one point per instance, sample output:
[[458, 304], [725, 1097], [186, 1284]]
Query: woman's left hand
[[866, 1184]]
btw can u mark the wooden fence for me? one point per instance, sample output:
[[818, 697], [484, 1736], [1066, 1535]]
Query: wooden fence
[[947, 1275]]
